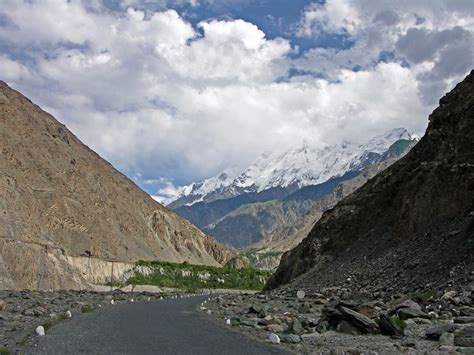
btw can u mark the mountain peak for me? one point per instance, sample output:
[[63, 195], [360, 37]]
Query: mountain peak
[[300, 166]]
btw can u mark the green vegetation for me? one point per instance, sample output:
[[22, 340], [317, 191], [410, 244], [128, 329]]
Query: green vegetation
[[87, 308], [4, 351], [261, 260], [52, 322], [401, 323], [192, 278]]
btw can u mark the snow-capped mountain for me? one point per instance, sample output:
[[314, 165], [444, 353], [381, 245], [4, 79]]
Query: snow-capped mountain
[[299, 167]]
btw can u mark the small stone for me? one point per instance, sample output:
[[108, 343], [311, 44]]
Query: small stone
[[300, 294], [227, 321], [3, 305], [69, 314], [112, 301], [40, 331], [275, 339], [209, 311], [290, 338]]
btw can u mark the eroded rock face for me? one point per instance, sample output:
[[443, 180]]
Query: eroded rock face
[[411, 225], [59, 202]]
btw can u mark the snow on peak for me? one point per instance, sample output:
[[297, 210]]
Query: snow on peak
[[301, 166]]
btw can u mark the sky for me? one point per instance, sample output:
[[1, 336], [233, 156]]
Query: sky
[[174, 91]]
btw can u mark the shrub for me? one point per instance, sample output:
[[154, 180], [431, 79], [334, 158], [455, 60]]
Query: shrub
[[87, 308]]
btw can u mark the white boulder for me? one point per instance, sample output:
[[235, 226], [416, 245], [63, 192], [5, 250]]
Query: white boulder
[[40, 331]]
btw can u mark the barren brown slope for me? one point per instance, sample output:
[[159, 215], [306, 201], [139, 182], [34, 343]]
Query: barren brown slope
[[410, 227], [64, 211]]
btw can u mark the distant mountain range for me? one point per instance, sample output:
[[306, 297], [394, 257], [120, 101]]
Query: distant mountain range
[[279, 188]]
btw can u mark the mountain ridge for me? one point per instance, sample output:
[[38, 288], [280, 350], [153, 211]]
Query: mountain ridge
[[421, 208], [65, 210]]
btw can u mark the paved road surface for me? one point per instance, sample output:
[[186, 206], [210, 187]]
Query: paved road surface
[[162, 327]]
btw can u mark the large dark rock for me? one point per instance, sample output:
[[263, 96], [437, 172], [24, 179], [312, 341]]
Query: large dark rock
[[407, 313], [388, 326], [413, 221], [465, 337], [434, 333]]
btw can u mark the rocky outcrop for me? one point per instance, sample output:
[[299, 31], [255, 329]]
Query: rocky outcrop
[[61, 203], [410, 227]]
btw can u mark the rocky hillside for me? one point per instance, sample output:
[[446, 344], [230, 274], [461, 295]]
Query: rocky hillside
[[67, 217], [409, 228], [253, 222], [269, 250]]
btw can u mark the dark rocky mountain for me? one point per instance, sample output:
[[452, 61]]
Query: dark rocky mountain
[[68, 218], [409, 228], [253, 222]]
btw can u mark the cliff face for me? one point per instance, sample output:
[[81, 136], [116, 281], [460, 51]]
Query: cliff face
[[59, 201], [411, 225]]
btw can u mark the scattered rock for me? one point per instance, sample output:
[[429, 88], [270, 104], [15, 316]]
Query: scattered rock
[[290, 338], [69, 314], [3, 305]]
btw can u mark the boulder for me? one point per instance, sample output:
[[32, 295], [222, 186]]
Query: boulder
[[347, 327], [465, 337], [300, 294], [435, 333], [407, 313], [404, 304], [40, 331], [276, 328], [275, 339], [296, 327], [389, 327], [464, 320], [364, 323]]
